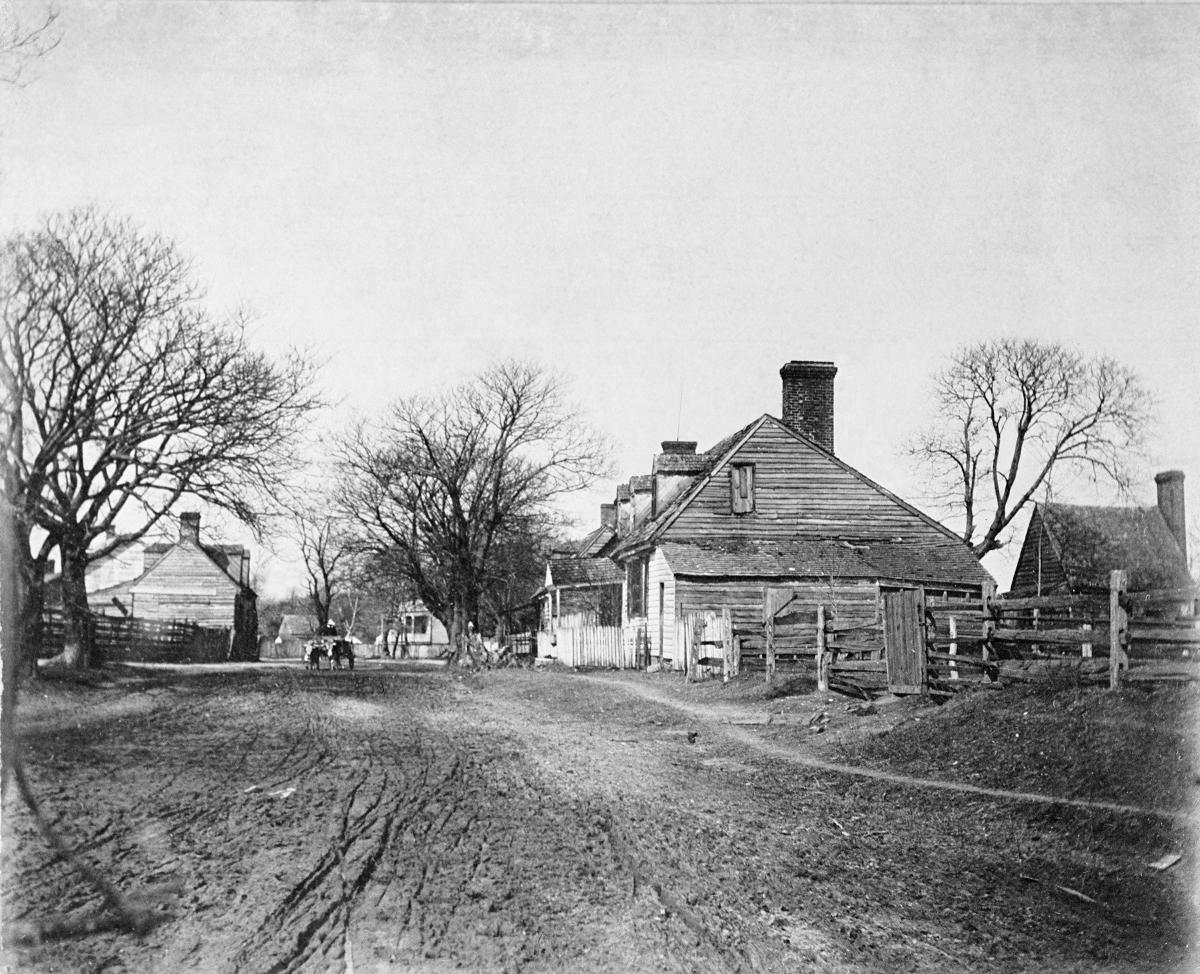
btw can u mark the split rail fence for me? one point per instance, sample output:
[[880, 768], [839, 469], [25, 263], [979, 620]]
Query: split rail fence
[[919, 641]]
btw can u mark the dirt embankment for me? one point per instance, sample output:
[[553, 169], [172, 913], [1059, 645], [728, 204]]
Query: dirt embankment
[[402, 819]]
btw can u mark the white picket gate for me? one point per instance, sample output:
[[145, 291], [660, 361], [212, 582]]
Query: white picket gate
[[600, 646]]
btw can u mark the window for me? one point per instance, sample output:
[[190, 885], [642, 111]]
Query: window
[[741, 488]]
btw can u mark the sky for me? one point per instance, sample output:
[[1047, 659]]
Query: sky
[[661, 203]]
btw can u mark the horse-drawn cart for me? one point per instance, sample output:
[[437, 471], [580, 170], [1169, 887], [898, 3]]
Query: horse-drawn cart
[[339, 653]]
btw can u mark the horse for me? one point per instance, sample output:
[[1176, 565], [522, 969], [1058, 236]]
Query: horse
[[342, 650]]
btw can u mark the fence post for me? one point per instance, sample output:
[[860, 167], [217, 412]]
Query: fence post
[[1117, 581], [726, 645], [989, 619], [822, 661], [953, 647], [770, 647]]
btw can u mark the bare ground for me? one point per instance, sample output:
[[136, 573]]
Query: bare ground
[[409, 819]]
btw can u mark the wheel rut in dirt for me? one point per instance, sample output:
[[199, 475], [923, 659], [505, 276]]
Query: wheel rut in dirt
[[720, 719]]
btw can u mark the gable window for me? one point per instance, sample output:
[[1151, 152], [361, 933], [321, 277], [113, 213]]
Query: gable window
[[741, 488]]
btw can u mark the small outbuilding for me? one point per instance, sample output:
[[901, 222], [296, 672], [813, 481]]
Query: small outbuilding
[[1072, 548]]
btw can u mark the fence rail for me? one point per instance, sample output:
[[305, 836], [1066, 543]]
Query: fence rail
[[1098, 637], [132, 639]]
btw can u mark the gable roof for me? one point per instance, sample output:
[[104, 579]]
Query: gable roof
[[649, 527], [224, 556], [295, 625], [1090, 542], [938, 553]]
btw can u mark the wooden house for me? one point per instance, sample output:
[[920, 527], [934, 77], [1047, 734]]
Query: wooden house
[[192, 581], [1071, 548], [771, 504], [582, 588], [295, 630], [424, 635]]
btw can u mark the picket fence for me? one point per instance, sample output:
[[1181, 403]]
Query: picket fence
[[593, 646]]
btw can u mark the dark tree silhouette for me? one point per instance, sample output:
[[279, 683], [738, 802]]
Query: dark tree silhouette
[[450, 486], [120, 396]]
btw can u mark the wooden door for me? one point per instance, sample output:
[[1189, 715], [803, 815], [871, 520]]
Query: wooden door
[[904, 640]]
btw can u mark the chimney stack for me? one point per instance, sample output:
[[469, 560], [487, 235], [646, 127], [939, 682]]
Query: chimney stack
[[1170, 505], [683, 448], [608, 515], [189, 526], [808, 400]]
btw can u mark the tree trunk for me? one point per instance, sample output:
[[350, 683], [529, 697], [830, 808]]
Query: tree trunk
[[78, 643], [11, 641], [30, 603]]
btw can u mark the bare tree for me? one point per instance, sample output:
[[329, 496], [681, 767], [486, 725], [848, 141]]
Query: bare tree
[[325, 549], [446, 485], [120, 396], [22, 40], [1013, 412]]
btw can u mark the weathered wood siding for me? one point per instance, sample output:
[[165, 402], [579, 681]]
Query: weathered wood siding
[[185, 584], [799, 492], [852, 601], [1038, 570], [660, 574]]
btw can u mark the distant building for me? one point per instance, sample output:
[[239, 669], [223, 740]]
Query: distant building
[[419, 629], [294, 631], [184, 580], [1071, 548]]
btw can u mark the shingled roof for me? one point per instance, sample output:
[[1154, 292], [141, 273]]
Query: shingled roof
[[900, 560], [646, 526], [576, 571], [1087, 543]]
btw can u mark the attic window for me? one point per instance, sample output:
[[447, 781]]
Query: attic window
[[741, 488]]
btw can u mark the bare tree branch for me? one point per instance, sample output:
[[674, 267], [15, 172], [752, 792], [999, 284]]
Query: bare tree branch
[[122, 395], [1013, 412], [452, 486]]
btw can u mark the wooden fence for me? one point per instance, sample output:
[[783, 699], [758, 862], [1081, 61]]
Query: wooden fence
[[1106, 637], [1101, 637], [130, 639], [599, 646], [704, 645]]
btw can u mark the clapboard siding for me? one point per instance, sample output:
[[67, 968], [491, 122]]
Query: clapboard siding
[[186, 584], [801, 492], [660, 573], [1038, 567]]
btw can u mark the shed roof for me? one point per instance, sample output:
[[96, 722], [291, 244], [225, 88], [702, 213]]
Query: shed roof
[[918, 560], [576, 571]]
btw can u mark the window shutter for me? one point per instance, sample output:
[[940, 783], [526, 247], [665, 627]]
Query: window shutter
[[741, 488]]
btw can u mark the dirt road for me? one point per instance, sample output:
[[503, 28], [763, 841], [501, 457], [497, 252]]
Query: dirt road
[[404, 819]]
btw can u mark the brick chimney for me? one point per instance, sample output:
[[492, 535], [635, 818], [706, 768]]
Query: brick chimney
[[683, 448], [608, 515], [1170, 505], [624, 506], [189, 526], [808, 400]]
